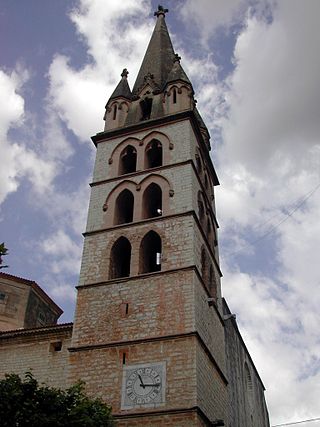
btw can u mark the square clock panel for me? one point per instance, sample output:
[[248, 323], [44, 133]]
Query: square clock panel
[[143, 385]]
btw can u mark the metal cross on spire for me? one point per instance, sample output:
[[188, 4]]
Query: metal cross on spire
[[161, 11]]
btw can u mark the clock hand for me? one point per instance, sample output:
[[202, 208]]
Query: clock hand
[[152, 385], [141, 382]]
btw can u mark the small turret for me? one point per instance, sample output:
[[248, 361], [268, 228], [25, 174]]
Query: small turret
[[118, 105], [178, 94]]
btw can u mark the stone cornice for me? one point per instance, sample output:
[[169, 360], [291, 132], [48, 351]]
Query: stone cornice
[[156, 413]]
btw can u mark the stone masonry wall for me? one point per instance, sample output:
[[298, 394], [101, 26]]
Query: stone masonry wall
[[211, 389], [180, 135], [209, 325], [177, 247], [102, 370], [35, 353], [247, 406], [171, 420], [158, 304]]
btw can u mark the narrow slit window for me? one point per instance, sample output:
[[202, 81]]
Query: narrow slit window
[[174, 98], [127, 308], [115, 108], [123, 358]]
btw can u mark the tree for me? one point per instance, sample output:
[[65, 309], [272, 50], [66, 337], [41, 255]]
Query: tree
[[25, 403], [3, 252]]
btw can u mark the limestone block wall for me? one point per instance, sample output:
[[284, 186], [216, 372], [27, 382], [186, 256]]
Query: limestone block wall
[[209, 324], [106, 380], [13, 304], [179, 134], [211, 388], [177, 190], [247, 406], [37, 351], [185, 419], [177, 246], [154, 305]]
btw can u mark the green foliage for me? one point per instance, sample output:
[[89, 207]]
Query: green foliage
[[3, 252], [24, 403]]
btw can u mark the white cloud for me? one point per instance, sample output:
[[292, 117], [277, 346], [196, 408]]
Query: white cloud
[[18, 160], [269, 165], [79, 96], [64, 253]]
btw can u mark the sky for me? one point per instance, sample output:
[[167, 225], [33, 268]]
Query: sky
[[255, 68]]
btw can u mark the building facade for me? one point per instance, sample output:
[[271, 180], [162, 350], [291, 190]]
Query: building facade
[[152, 334]]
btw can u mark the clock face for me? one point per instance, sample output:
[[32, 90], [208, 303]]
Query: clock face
[[143, 385]]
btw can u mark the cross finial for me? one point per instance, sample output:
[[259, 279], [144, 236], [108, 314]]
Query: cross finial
[[160, 11], [125, 73], [176, 58]]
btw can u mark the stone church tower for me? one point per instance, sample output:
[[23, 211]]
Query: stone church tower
[[149, 330], [152, 335]]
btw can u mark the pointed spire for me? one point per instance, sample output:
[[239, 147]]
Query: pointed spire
[[123, 89], [177, 72], [159, 56]]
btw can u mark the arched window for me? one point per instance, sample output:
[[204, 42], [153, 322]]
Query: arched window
[[152, 201], [206, 182], [201, 209], [124, 208], [120, 258], [153, 154], [146, 107], [204, 266], [128, 160], [212, 283], [210, 233], [150, 253], [199, 166], [115, 111], [174, 97]]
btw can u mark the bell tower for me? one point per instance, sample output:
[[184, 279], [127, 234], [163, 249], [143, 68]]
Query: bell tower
[[149, 333]]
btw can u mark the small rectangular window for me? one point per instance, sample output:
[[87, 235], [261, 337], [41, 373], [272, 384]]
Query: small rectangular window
[[56, 346], [2, 296]]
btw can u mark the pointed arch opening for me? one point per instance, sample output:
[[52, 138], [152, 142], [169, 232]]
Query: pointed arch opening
[[124, 208], [152, 201], [153, 154], [150, 253], [115, 108], [128, 160], [199, 166], [204, 266], [120, 258], [146, 107], [201, 210], [212, 283], [174, 97]]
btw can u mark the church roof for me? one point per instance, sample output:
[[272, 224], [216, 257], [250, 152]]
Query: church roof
[[123, 89], [159, 57]]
